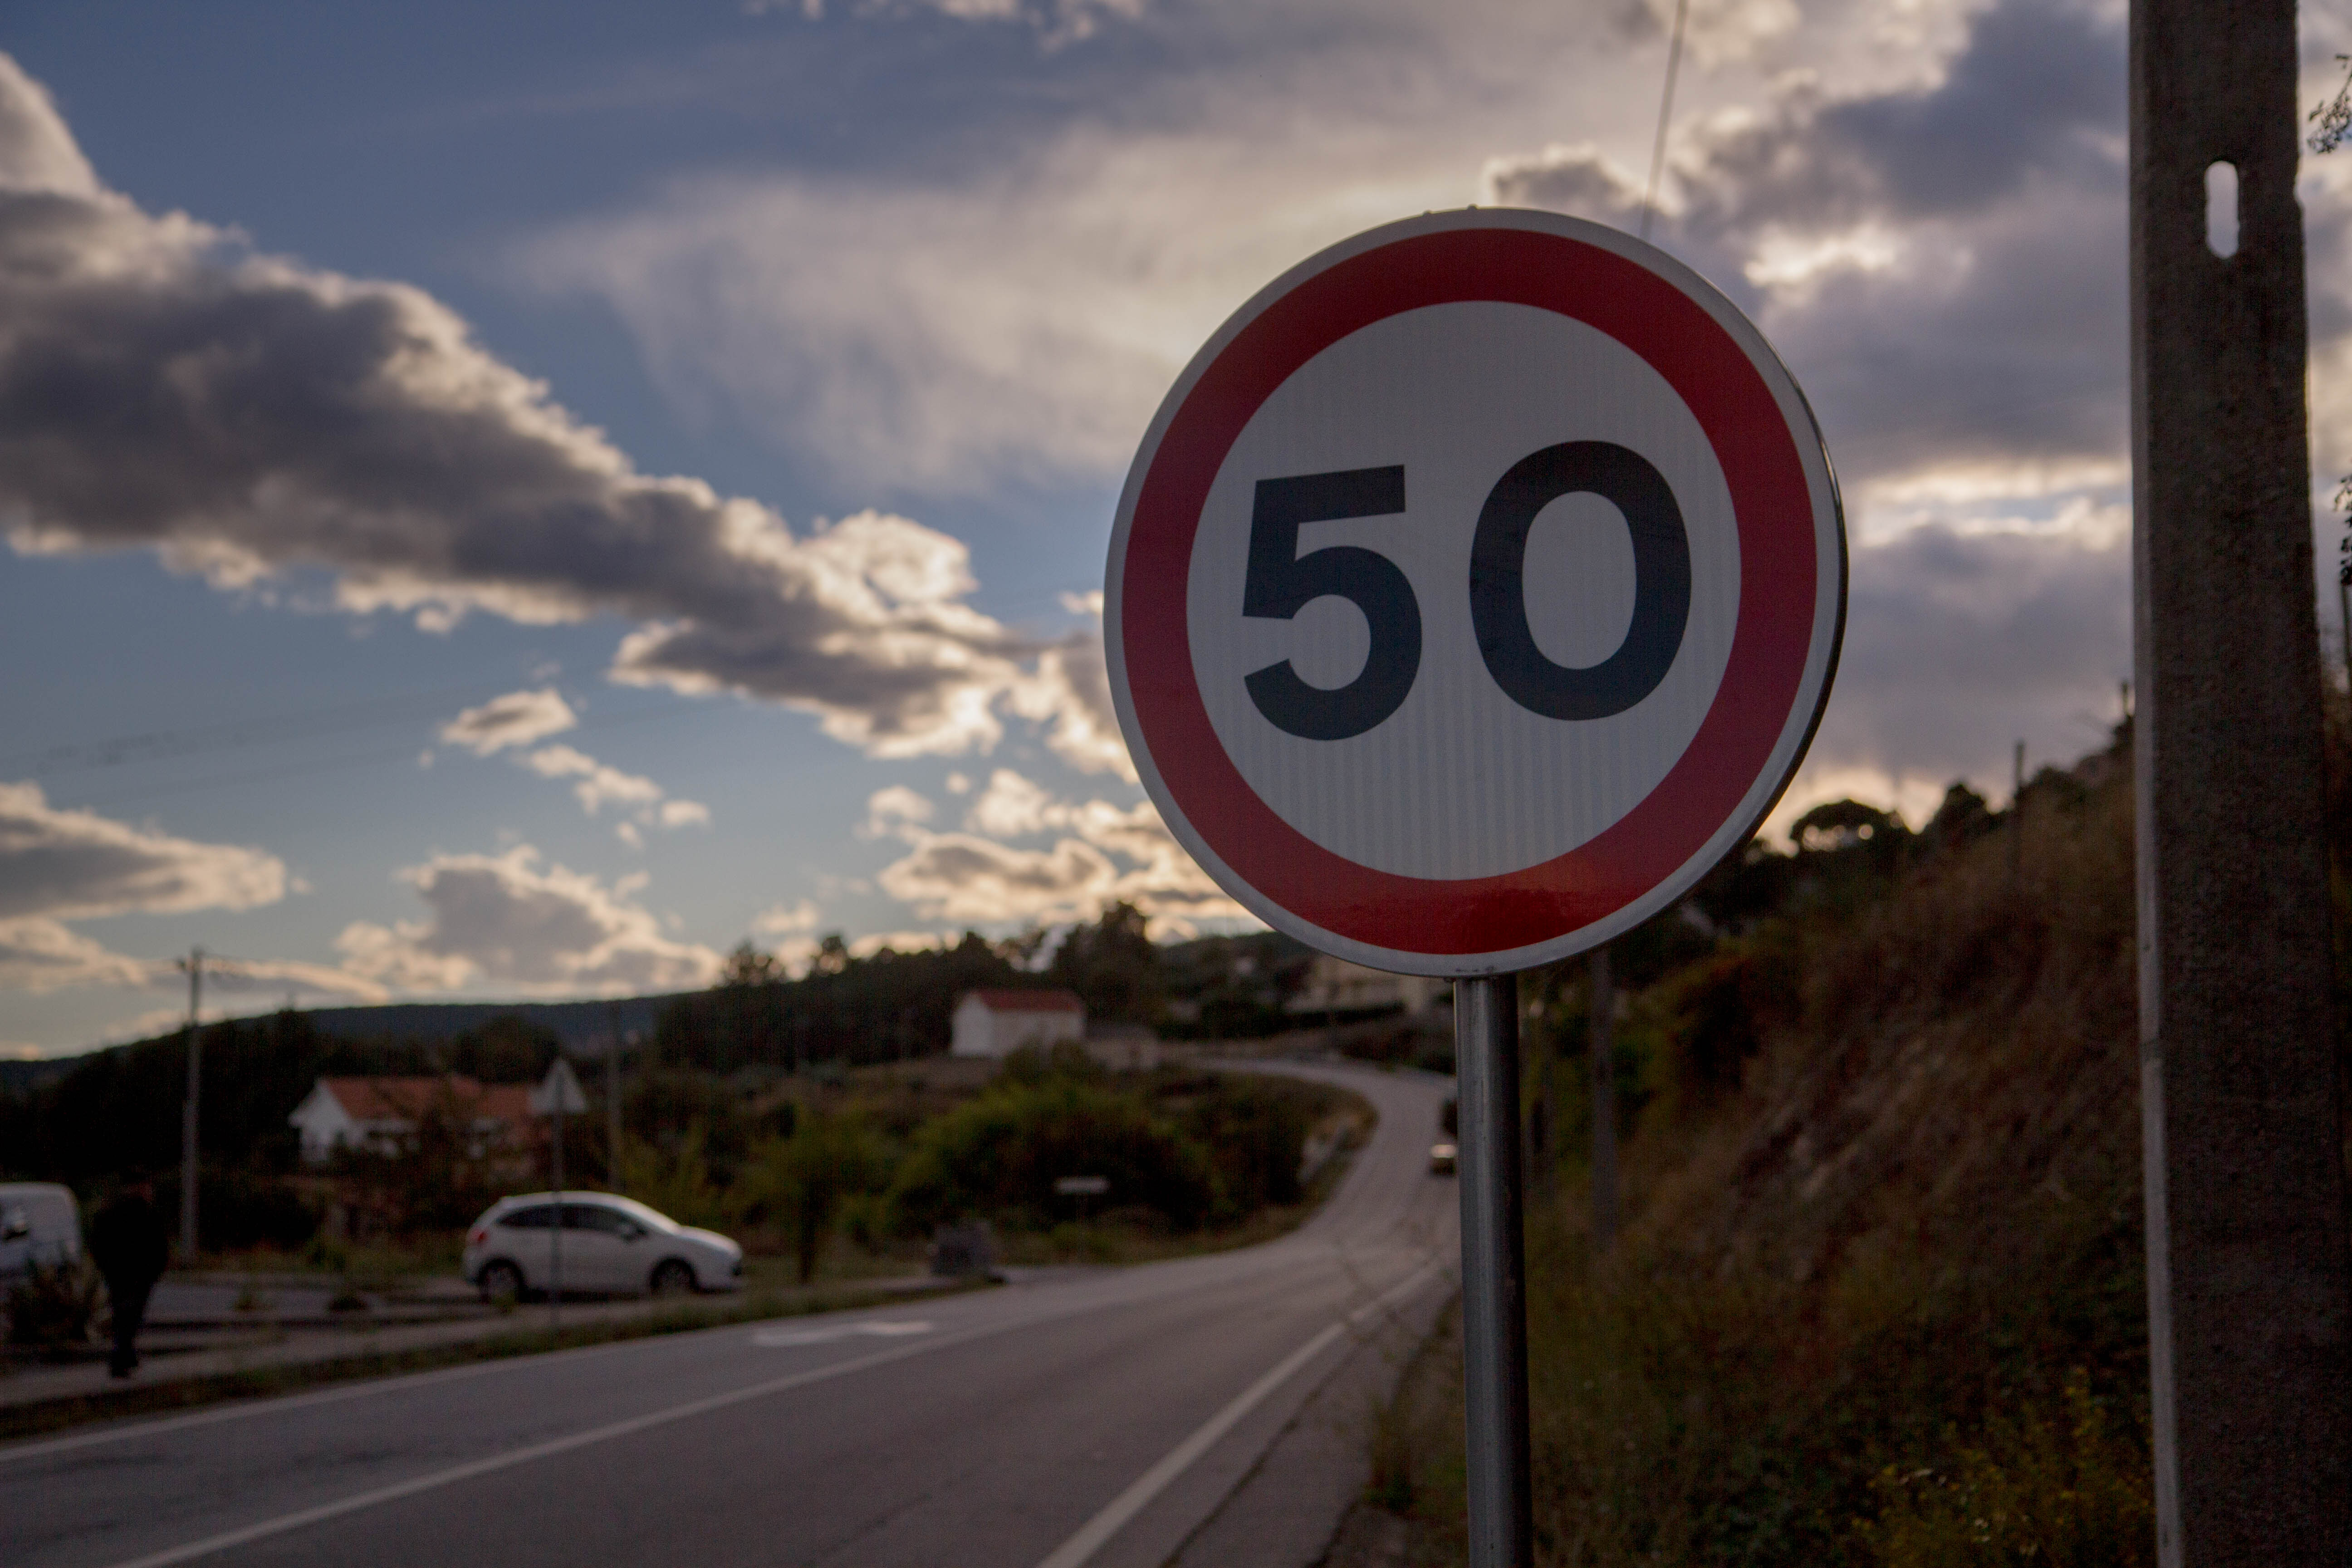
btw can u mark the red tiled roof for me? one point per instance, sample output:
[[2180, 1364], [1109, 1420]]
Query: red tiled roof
[[405, 1099], [1029, 1001]]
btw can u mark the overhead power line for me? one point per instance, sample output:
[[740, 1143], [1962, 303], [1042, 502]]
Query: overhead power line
[[1666, 112]]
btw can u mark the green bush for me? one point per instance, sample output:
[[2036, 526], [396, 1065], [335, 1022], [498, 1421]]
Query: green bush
[[799, 1183], [1001, 1155], [1254, 1130], [2038, 1489]]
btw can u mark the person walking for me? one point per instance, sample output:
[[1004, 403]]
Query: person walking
[[129, 1245]]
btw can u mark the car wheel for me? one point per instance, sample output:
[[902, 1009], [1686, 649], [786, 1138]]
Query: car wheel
[[501, 1281], [674, 1278]]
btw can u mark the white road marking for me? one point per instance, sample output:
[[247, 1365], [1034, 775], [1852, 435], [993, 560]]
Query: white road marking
[[513, 1457], [773, 1339], [1096, 1532], [265, 1405], [549, 1450]]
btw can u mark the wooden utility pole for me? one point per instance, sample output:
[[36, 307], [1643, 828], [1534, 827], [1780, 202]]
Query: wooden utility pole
[[2250, 1308], [1600, 1046], [195, 965]]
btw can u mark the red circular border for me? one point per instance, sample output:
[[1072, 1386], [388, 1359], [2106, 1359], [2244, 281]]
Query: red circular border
[[1778, 569]]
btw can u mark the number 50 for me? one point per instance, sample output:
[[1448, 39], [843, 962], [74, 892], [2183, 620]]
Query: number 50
[[1281, 582]]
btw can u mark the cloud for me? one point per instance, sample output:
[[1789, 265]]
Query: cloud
[[1957, 646], [277, 976], [164, 387], [77, 865], [521, 718], [786, 919], [39, 954], [1941, 261], [508, 920], [599, 786], [517, 718], [973, 876], [892, 810], [1015, 324]]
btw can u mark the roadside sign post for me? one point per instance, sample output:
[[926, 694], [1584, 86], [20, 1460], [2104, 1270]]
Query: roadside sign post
[[1493, 1289], [557, 1093], [1476, 589]]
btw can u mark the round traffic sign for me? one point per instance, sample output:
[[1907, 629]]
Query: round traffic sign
[[1476, 589]]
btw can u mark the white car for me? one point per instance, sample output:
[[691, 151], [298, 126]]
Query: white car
[[610, 1246], [38, 1224]]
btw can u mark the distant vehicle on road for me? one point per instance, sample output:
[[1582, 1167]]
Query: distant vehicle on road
[[611, 1245], [38, 1224], [1441, 1157]]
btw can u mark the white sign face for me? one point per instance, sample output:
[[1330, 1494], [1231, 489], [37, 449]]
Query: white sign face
[[1476, 589]]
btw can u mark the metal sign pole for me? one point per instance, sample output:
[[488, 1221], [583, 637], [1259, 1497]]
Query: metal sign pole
[[555, 1283], [1494, 1270]]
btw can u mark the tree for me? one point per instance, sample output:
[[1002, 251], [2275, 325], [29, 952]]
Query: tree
[[747, 965], [798, 1182], [1112, 965]]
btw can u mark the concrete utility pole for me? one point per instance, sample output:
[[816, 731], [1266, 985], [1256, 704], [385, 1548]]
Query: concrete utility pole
[[1601, 1048], [195, 965], [2250, 1309]]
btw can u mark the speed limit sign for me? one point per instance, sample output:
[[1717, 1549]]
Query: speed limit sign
[[1476, 589]]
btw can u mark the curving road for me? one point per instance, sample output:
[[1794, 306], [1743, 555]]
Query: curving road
[[1132, 1416]]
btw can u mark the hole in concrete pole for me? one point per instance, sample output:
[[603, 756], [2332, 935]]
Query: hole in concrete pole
[[2221, 209]]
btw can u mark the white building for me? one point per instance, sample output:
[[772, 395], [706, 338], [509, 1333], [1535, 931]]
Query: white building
[[1336, 986], [999, 1023], [378, 1112]]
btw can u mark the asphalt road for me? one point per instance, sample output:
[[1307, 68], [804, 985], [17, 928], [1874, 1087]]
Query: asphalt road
[[1101, 1417]]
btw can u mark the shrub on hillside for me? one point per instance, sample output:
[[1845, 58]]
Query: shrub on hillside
[[798, 1185], [1254, 1130], [1001, 1155]]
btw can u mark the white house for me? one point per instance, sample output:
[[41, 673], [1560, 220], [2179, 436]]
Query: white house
[[999, 1023], [1336, 986], [377, 1112]]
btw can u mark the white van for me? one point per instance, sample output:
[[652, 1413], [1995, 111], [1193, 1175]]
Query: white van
[[38, 1224]]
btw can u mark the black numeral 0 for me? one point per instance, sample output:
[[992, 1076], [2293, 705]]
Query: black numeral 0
[[1281, 582], [1661, 580]]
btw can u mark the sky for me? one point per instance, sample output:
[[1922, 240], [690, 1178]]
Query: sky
[[512, 499]]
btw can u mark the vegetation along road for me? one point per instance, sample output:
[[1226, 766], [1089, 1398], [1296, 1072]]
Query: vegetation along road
[[1101, 1417]]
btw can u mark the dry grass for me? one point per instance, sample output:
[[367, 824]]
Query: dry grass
[[1879, 1295]]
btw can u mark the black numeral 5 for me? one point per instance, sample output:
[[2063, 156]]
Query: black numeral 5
[[1281, 582]]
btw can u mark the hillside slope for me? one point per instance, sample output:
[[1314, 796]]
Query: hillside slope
[[1878, 1297]]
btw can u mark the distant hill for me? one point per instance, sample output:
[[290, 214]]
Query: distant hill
[[582, 1026], [16, 1077]]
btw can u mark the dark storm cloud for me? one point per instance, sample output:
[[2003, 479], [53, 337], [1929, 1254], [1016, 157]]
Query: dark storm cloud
[[1957, 646], [161, 386], [1942, 266], [73, 865]]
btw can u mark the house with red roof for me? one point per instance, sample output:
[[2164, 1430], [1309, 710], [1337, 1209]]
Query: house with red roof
[[999, 1023], [378, 1114]]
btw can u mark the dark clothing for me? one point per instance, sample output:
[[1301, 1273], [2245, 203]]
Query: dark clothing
[[130, 1246], [128, 1302]]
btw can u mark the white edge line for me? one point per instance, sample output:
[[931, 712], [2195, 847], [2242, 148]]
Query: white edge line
[[495, 1462], [1096, 1532], [359, 1387]]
